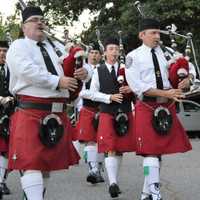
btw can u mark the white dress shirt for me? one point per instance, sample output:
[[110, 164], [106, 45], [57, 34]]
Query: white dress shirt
[[140, 73], [28, 72], [95, 86], [86, 93]]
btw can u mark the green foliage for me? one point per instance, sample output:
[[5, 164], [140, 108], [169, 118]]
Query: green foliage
[[10, 25], [124, 16]]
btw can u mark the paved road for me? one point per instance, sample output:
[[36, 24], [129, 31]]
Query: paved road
[[180, 177]]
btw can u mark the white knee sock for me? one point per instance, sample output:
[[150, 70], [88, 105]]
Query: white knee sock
[[119, 160], [32, 184], [92, 158], [151, 171], [46, 177], [145, 191], [77, 146], [3, 167], [100, 157], [111, 165]]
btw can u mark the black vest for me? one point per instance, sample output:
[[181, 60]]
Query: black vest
[[108, 86], [87, 102], [4, 84]]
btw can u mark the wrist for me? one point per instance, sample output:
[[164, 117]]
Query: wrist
[[59, 85], [111, 98]]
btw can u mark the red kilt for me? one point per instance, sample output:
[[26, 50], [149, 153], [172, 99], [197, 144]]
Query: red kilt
[[86, 131], [3, 146], [74, 133], [27, 152], [149, 142], [107, 138]]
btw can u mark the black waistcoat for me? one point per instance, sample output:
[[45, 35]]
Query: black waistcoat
[[87, 102], [108, 86]]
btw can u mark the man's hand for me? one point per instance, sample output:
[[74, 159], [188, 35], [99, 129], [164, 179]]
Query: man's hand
[[68, 83], [116, 98], [125, 89], [81, 73], [185, 83], [175, 94]]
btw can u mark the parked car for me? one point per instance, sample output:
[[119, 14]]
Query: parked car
[[189, 114]]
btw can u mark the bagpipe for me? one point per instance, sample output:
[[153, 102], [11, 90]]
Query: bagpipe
[[178, 63], [102, 49], [77, 53], [121, 78], [121, 120], [74, 61]]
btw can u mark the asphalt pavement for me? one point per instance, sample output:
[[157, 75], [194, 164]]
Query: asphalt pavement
[[180, 179]]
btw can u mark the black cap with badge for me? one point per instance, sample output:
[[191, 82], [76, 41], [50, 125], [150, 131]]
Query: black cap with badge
[[95, 46], [148, 23], [31, 11], [111, 40]]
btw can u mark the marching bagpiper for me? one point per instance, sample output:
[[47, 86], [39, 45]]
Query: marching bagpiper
[[6, 106], [41, 133], [88, 121], [158, 130], [115, 134]]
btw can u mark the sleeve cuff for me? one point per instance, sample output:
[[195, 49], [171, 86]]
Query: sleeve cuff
[[107, 99], [55, 82]]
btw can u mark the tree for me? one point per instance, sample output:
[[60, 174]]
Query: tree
[[10, 25], [124, 16]]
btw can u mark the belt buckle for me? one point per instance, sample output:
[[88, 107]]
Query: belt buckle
[[57, 107]]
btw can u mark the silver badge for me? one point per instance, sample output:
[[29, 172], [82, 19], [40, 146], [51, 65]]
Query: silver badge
[[129, 61]]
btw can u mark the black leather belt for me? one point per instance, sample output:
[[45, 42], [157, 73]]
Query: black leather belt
[[155, 99], [147, 98], [52, 107]]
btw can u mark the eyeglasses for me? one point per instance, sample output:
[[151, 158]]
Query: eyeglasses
[[36, 20]]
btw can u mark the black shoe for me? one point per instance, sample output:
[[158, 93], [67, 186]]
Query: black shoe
[[5, 189], [148, 198], [100, 178], [114, 190], [94, 178]]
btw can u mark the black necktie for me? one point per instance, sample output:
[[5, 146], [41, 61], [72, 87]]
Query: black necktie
[[2, 70], [47, 59], [113, 74], [159, 81], [3, 81]]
